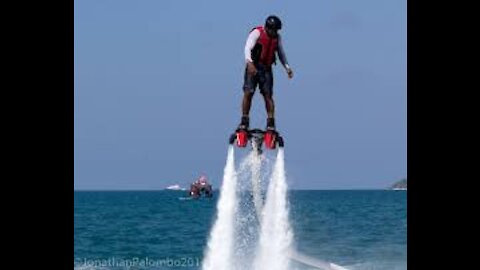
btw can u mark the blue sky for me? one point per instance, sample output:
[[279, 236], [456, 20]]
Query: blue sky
[[157, 89]]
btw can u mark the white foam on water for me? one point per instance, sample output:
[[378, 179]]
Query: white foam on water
[[314, 262]]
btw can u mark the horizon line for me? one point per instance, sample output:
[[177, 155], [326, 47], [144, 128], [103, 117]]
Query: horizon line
[[300, 189]]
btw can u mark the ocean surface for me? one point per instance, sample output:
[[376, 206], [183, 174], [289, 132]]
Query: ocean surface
[[358, 229]]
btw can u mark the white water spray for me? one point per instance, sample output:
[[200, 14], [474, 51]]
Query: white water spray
[[256, 165], [236, 230], [247, 223], [276, 236], [219, 254]]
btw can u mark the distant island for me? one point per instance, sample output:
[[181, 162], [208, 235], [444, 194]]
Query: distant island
[[400, 185]]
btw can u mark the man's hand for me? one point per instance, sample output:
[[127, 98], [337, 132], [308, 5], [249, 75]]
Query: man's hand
[[290, 73], [252, 70]]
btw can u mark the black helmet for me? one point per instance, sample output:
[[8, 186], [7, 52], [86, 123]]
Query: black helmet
[[273, 22]]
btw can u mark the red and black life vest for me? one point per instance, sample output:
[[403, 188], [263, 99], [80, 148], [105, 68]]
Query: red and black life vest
[[264, 50]]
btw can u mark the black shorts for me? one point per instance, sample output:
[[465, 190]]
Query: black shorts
[[263, 79]]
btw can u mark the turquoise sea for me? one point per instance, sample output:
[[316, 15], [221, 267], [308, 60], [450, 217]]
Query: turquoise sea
[[358, 229]]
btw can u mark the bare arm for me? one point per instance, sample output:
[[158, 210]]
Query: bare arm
[[281, 53], [283, 58]]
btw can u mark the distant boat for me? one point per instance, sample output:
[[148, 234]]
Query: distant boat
[[174, 187], [200, 186], [399, 189]]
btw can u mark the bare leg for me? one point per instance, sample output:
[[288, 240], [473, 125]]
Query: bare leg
[[246, 103], [269, 105]]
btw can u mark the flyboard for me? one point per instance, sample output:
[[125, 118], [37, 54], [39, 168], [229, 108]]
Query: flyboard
[[257, 137]]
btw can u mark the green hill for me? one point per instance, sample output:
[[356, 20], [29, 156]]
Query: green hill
[[402, 184]]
